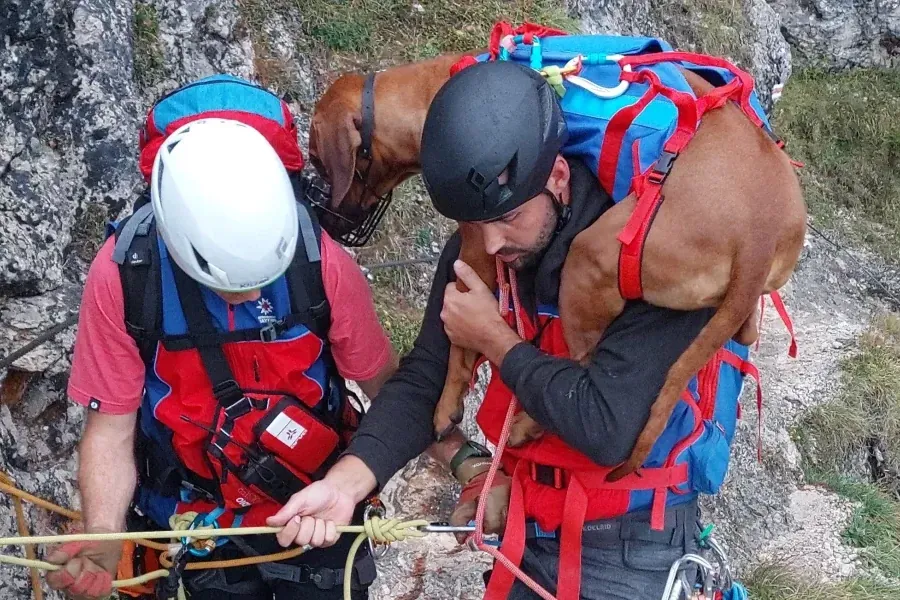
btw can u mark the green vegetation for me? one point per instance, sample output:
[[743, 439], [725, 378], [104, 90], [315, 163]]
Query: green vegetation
[[775, 582], [844, 127], [867, 407], [714, 27], [403, 31], [149, 66], [874, 526], [831, 436]]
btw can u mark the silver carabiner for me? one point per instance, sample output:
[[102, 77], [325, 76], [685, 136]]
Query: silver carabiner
[[445, 527], [676, 572]]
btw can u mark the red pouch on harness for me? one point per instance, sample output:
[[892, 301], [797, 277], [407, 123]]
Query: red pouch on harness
[[293, 434]]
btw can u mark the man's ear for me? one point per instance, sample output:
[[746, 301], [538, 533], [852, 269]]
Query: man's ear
[[337, 142], [558, 183]]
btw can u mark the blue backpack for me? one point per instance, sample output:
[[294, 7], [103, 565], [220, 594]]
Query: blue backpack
[[629, 110]]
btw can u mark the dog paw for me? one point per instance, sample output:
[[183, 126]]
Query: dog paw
[[524, 429]]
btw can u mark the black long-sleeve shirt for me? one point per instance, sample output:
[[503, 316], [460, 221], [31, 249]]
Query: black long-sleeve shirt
[[599, 409]]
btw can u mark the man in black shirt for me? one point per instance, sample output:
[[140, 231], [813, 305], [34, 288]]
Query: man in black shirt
[[490, 155]]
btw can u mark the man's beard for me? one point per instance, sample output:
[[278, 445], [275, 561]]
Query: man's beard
[[531, 257]]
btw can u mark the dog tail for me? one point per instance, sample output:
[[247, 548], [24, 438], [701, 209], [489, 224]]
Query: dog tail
[[747, 284]]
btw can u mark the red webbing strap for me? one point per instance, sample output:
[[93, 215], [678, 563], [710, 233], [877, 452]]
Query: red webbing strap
[[513, 546], [657, 479], [615, 137], [717, 97], [648, 479], [574, 511], [782, 312], [465, 61], [502, 29], [685, 128], [516, 512], [746, 81], [748, 368], [649, 189], [630, 286]]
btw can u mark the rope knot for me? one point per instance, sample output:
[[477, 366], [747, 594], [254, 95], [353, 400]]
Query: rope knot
[[387, 531]]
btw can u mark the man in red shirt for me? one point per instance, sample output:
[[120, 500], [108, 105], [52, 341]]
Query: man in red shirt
[[236, 381]]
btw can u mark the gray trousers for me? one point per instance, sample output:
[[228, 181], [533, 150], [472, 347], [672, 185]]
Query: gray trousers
[[626, 570]]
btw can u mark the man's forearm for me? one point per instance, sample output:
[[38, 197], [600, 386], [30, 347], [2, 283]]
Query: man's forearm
[[107, 474], [600, 409], [352, 477]]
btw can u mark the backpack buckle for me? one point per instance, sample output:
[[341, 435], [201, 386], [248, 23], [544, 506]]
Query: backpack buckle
[[227, 392], [662, 167], [268, 333], [550, 476]]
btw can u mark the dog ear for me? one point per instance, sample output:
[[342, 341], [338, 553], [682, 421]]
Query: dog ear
[[336, 145]]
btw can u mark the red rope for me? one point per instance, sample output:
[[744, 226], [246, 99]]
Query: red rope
[[478, 536]]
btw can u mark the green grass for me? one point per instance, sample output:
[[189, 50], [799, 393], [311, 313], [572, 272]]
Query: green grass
[[400, 321], [775, 582], [410, 229], [400, 30], [716, 27], [874, 526], [149, 63], [844, 126], [868, 405]]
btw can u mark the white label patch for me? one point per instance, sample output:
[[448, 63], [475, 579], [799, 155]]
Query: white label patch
[[286, 430]]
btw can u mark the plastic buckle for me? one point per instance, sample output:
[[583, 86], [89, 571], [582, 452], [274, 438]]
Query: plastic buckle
[[305, 575], [268, 333], [239, 408], [549, 476], [228, 392], [662, 167]]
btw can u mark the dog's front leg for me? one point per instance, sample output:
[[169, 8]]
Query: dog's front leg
[[450, 407], [589, 297]]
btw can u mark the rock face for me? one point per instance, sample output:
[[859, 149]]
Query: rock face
[[842, 33], [71, 100]]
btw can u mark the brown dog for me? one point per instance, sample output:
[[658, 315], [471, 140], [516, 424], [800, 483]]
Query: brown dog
[[402, 97], [732, 181]]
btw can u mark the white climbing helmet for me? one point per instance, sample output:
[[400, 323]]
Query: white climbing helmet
[[224, 205]]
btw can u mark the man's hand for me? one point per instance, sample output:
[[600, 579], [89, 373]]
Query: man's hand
[[312, 515], [472, 319], [88, 568], [472, 473]]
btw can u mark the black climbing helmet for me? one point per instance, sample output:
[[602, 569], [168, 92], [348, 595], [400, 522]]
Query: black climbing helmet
[[488, 118]]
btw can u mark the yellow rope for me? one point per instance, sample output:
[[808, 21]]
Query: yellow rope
[[382, 531]]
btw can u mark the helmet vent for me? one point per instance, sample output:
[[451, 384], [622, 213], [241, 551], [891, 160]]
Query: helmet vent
[[204, 264], [476, 179]]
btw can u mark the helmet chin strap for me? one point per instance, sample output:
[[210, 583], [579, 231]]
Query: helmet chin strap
[[563, 211]]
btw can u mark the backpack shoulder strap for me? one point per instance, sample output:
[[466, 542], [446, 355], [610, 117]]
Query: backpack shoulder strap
[[137, 255], [304, 275]]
